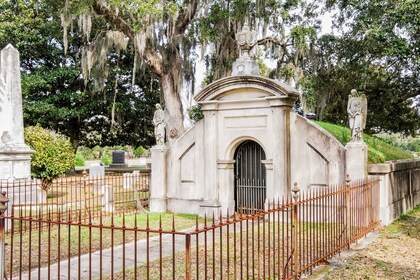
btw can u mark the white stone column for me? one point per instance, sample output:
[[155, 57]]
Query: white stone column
[[281, 146], [269, 182], [226, 186], [356, 160], [211, 202], [15, 156], [158, 188]]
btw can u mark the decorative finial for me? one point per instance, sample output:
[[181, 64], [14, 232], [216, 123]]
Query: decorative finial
[[246, 64]]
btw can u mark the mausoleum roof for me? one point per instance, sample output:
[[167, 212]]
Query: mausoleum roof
[[217, 89]]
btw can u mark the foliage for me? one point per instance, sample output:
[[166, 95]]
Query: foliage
[[55, 93], [378, 150], [378, 56], [195, 113], [53, 155], [106, 159], [139, 152], [407, 143], [79, 160]]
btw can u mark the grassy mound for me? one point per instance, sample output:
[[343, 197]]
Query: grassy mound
[[378, 150]]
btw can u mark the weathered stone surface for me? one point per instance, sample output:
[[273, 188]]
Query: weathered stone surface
[[118, 160], [356, 160], [97, 172], [158, 188], [198, 174], [400, 187], [14, 154]]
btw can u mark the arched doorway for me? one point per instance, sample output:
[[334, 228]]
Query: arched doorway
[[250, 178]]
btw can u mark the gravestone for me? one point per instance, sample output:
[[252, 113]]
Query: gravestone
[[97, 171], [118, 159], [15, 155]]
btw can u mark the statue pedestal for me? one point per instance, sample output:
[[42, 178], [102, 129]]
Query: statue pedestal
[[158, 186], [356, 160]]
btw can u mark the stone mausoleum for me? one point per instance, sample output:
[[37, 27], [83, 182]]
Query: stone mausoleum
[[249, 148]]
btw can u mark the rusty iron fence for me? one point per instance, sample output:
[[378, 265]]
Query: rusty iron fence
[[285, 241], [85, 195]]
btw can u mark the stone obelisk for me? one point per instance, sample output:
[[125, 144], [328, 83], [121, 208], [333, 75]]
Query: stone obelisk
[[15, 155]]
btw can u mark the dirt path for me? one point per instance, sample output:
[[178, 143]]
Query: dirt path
[[395, 254]]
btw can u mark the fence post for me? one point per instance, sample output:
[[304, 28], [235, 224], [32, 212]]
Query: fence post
[[3, 208], [348, 210], [295, 191], [187, 257]]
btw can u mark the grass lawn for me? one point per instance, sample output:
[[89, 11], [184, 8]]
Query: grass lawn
[[379, 151], [395, 254]]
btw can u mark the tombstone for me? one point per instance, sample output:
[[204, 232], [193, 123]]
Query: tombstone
[[15, 155], [97, 172], [130, 180], [118, 160]]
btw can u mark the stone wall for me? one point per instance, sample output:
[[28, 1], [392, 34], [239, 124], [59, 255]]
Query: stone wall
[[400, 187], [318, 158]]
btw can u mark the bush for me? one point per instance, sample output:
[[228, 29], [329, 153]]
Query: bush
[[79, 160], [53, 155], [139, 151], [195, 113], [106, 159]]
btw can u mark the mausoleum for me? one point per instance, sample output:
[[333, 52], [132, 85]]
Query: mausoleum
[[249, 148]]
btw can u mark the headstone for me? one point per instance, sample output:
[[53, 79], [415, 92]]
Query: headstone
[[118, 159], [107, 198], [97, 172], [130, 179], [15, 155]]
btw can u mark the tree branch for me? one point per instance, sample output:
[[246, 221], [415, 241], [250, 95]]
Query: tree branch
[[149, 55], [101, 9], [184, 18]]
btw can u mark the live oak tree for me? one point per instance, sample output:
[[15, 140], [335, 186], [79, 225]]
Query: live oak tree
[[379, 56], [55, 93], [166, 36]]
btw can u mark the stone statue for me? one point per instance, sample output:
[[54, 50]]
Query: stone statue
[[159, 123], [357, 110]]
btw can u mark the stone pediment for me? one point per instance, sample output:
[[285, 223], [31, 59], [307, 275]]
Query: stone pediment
[[243, 87]]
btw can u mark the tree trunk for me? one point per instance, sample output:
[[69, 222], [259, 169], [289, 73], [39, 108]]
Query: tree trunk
[[173, 108]]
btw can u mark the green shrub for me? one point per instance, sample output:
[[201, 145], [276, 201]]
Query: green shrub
[[195, 113], [106, 159], [53, 155], [139, 151], [79, 160]]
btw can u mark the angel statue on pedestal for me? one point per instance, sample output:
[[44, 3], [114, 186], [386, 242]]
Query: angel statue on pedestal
[[357, 110]]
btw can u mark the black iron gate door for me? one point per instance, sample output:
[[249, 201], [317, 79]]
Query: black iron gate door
[[250, 178]]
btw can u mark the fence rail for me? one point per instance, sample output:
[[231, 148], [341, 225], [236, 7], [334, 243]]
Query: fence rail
[[88, 196], [283, 242]]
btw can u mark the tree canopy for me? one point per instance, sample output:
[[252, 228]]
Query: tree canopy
[[55, 94], [93, 69]]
